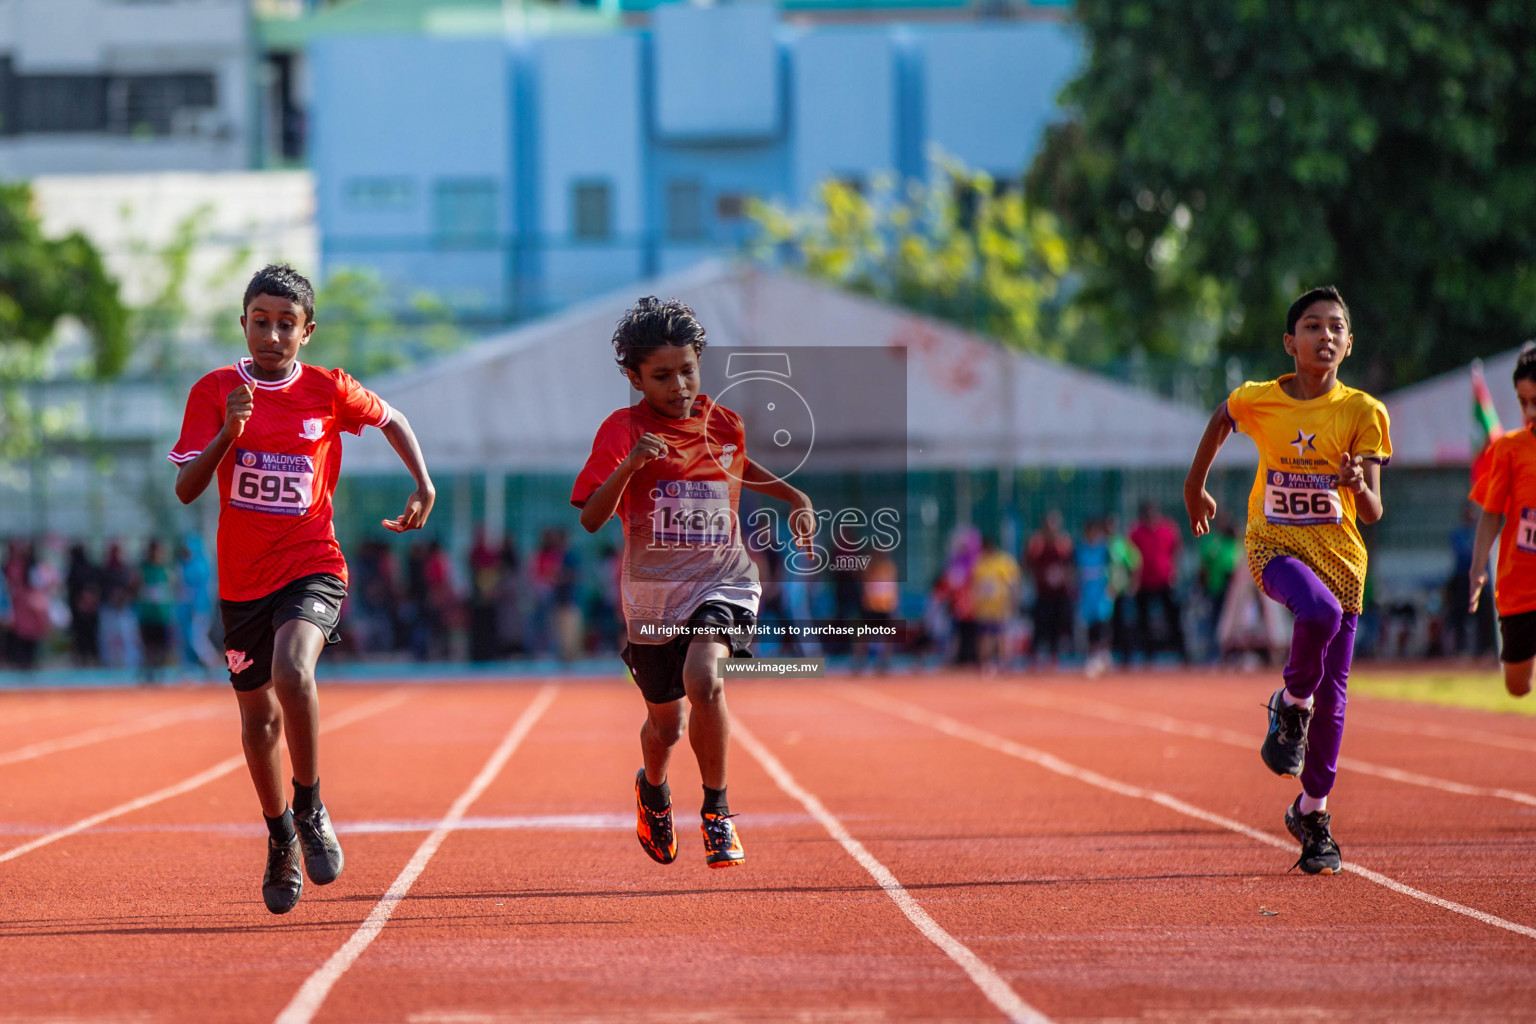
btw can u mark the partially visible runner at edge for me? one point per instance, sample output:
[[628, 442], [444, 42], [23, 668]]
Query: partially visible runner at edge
[[672, 467], [1321, 448], [1506, 492], [269, 427]]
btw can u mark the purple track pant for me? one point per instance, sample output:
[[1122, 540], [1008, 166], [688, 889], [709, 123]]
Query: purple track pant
[[1321, 648]]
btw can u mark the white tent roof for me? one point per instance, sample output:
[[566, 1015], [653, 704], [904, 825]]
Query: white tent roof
[[532, 398], [1432, 420]]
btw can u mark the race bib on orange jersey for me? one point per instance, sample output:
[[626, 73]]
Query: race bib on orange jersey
[[691, 512], [1525, 532], [282, 485], [1302, 499]]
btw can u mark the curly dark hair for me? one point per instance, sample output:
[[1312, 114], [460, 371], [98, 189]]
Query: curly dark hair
[[1525, 363], [651, 324], [283, 281]]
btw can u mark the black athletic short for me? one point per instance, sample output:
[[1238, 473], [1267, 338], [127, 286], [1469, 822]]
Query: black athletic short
[[658, 668], [1519, 633], [250, 627]]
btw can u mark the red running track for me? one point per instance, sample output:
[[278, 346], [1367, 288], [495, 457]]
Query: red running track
[[919, 848]]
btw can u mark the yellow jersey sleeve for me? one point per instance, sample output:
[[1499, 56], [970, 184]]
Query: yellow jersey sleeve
[[1240, 405], [1372, 433]]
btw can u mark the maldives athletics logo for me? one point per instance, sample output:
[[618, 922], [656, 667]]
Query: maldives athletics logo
[[248, 459]]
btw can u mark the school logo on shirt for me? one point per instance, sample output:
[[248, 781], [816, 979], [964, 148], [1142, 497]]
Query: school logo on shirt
[[727, 455], [1303, 443], [238, 662], [313, 430]]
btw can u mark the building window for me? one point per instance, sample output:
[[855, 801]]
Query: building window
[[685, 210], [162, 104], [731, 206], [378, 195], [464, 212], [592, 211], [61, 103]]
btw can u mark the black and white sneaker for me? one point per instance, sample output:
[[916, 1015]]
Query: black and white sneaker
[[322, 853], [283, 881], [1285, 744], [1319, 853]]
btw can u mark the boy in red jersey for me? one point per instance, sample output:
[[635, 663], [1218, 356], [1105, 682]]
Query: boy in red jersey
[[1507, 495], [672, 467], [269, 428]]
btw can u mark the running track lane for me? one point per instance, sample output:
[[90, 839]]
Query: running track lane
[[158, 914], [1454, 845], [1387, 957], [582, 926]]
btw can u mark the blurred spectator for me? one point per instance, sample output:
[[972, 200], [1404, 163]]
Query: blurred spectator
[[956, 595], [1124, 568], [155, 606], [994, 597], [82, 588], [557, 616], [1095, 599], [485, 570], [1049, 558], [1157, 539], [1219, 551], [194, 604], [120, 646], [509, 592], [879, 598], [29, 605], [1465, 632]]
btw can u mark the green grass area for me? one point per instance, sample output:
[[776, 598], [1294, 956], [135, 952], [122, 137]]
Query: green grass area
[[1477, 691]]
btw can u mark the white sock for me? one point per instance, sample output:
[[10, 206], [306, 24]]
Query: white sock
[[1293, 702], [1310, 804]]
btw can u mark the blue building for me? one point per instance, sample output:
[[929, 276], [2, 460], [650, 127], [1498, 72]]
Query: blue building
[[514, 172]]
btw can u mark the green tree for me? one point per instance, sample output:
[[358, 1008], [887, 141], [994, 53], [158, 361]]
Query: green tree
[[43, 280], [1223, 155], [961, 249]]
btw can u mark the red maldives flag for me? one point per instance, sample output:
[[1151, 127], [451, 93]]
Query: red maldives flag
[[1486, 427]]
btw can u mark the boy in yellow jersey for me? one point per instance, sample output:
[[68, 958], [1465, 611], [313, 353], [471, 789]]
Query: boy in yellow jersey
[[1321, 449]]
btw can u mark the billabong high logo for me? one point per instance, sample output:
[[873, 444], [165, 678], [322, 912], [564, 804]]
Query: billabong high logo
[[1303, 443], [238, 662], [313, 430]]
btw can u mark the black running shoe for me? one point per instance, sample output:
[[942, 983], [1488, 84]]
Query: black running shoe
[[322, 853], [283, 881], [722, 846], [1319, 853], [1285, 744], [654, 828]]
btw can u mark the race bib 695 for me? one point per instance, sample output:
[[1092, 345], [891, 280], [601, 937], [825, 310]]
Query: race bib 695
[[280, 484], [1302, 499]]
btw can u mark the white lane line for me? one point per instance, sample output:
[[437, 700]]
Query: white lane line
[[992, 985], [108, 732], [307, 1001], [1483, 736], [344, 718], [1179, 727], [1050, 762]]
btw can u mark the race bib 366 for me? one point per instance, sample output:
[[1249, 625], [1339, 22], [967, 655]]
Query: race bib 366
[[280, 484], [1302, 499]]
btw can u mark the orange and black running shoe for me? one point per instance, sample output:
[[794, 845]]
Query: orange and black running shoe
[[722, 846], [654, 828]]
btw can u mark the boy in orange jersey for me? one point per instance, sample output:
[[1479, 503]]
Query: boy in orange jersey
[[671, 467], [269, 429], [1506, 492], [1321, 449]]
